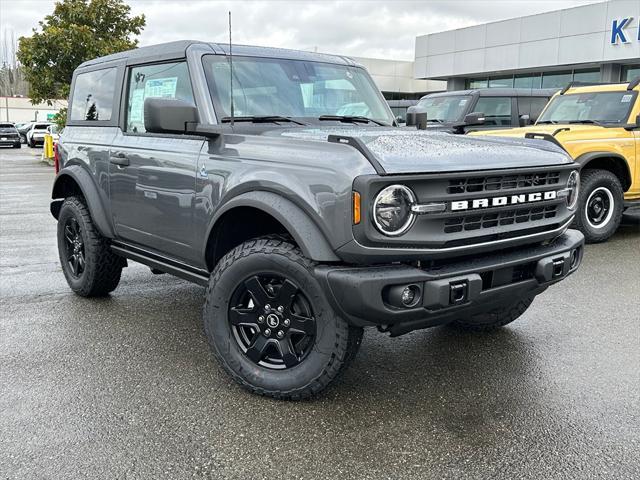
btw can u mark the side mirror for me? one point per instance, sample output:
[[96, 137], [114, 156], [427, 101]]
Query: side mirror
[[638, 120], [474, 118], [525, 120], [168, 115], [417, 115]]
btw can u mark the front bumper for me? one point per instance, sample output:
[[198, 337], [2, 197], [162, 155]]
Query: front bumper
[[364, 295]]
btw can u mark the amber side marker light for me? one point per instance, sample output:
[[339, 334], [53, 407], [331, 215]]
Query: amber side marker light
[[356, 208]]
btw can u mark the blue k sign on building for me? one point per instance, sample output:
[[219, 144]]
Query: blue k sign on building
[[618, 31]]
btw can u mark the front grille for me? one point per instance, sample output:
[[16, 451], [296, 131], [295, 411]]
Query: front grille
[[502, 182], [506, 217]]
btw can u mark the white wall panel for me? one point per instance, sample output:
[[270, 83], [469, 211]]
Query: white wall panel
[[580, 48], [581, 20], [537, 54], [503, 33], [540, 27], [440, 43], [470, 38], [505, 57]]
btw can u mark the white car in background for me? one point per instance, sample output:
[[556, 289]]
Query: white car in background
[[35, 135], [54, 132]]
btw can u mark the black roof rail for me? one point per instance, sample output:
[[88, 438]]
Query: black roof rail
[[579, 84], [633, 83]]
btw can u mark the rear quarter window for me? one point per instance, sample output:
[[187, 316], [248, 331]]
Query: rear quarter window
[[93, 95]]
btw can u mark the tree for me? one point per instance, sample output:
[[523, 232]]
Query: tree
[[76, 31]]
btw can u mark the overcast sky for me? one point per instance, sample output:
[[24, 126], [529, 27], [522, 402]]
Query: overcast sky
[[367, 28]]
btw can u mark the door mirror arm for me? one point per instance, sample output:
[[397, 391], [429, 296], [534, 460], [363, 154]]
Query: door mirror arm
[[470, 120], [204, 130]]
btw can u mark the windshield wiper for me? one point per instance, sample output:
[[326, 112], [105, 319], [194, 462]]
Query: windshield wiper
[[352, 119], [437, 120], [262, 119], [593, 122], [547, 122]]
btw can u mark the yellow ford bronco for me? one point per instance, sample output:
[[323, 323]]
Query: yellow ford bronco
[[599, 125]]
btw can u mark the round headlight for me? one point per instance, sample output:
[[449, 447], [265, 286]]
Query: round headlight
[[392, 213], [573, 188]]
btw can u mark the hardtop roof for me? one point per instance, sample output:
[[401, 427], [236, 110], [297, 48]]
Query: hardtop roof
[[604, 87], [498, 92], [179, 48]]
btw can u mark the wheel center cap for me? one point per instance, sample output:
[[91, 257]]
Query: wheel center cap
[[272, 320]]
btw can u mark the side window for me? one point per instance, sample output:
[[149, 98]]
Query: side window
[[524, 106], [93, 95], [167, 80], [537, 105], [497, 110]]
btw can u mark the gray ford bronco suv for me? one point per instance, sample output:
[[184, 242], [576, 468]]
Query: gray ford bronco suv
[[300, 205]]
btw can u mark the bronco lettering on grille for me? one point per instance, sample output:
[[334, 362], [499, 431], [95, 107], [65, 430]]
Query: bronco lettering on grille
[[503, 201]]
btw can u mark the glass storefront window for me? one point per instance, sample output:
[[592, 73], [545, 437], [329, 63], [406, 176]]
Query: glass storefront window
[[630, 72], [587, 76], [556, 79], [474, 83], [501, 82], [527, 81]]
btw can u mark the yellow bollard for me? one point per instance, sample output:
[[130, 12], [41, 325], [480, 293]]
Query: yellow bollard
[[47, 151]]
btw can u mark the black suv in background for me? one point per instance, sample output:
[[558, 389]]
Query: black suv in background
[[9, 135], [305, 212], [487, 108]]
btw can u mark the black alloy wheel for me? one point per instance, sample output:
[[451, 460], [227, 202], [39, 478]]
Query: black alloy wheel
[[599, 207], [272, 321], [74, 247], [270, 324], [89, 265]]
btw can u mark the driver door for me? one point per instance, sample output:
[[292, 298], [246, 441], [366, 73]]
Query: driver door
[[152, 176]]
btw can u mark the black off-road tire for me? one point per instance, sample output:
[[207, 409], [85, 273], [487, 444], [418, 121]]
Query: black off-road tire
[[335, 343], [495, 319], [103, 268], [32, 144], [605, 183]]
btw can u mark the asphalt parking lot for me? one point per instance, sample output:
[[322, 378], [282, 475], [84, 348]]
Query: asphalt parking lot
[[125, 387]]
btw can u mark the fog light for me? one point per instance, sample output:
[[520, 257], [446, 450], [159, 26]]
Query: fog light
[[403, 296], [408, 296]]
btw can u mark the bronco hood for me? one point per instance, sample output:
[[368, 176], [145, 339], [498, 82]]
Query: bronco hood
[[400, 151]]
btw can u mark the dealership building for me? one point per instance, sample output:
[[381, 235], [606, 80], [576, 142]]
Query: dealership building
[[592, 43]]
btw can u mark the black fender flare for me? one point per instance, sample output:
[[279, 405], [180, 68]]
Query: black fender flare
[[85, 182], [588, 157], [303, 229]]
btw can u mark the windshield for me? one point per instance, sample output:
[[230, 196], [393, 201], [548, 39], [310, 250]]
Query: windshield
[[41, 126], [292, 88], [598, 107], [445, 109]]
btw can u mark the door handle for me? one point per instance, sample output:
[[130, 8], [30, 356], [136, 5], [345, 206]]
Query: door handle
[[119, 159]]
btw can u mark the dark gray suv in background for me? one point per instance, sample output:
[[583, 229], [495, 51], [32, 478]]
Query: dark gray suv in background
[[483, 109], [302, 208]]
